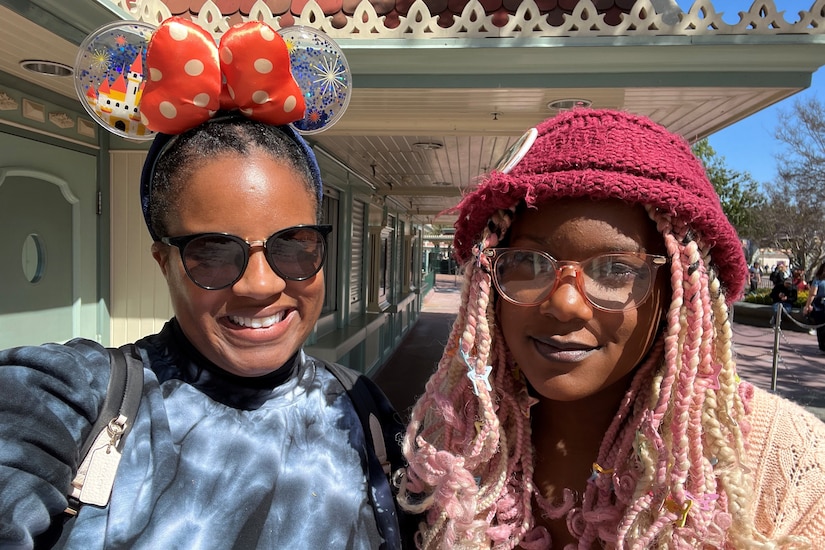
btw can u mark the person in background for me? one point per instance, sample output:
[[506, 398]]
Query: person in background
[[798, 279], [783, 294], [814, 307], [587, 396], [780, 273], [241, 440], [754, 276]]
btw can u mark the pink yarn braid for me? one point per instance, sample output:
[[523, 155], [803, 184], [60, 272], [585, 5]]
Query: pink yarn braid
[[471, 436], [601, 507], [514, 509], [686, 375]]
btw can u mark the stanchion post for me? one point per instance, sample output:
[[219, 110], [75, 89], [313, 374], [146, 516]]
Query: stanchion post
[[777, 324]]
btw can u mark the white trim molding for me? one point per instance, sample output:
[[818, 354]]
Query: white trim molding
[[643, 20]]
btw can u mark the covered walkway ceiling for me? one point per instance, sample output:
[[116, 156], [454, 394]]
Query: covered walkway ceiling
[[440, 95]]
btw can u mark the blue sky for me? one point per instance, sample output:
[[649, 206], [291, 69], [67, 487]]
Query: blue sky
[[749, 145]]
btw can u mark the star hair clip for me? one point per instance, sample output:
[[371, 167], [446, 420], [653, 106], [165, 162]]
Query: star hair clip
[[476, 377], [135, 79]]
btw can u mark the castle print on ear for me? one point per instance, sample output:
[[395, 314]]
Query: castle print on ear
[[109, 75]]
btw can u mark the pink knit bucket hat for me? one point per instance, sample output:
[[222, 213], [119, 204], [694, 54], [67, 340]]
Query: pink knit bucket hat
[[605, 154]]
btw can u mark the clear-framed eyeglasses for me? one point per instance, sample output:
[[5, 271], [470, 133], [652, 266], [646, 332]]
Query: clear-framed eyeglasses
[[616, 281]]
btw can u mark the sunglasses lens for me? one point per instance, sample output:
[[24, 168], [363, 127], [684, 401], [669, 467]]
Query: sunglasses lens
[[297, 253], [214, 261]]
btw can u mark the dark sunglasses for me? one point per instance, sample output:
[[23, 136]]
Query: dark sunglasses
[[218, 260]]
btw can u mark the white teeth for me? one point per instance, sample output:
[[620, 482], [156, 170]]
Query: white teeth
[[257, 322]]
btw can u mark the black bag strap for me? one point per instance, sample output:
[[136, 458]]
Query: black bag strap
[[121, 402], [133, 391], [382, 433], [122, 398], [112, 401], [365, 404]]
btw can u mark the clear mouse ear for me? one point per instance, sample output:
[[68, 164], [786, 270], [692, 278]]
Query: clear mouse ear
[[513, 155], [322, 72], [108, 77]]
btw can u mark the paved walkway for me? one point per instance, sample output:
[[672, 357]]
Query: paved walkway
[[799, 373], [404, 374]]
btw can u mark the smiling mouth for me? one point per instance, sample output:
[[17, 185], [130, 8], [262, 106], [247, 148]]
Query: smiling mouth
[[257, 322]]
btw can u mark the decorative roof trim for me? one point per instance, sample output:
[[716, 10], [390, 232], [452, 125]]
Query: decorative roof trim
[[762, 19]]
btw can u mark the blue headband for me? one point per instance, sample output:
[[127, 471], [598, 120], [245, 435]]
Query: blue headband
[[162, 142]]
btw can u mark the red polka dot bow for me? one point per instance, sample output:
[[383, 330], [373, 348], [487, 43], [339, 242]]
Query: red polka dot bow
[[190, 78]]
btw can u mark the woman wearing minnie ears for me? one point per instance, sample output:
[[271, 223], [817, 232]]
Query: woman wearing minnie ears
[[588, 396], [241, 439]]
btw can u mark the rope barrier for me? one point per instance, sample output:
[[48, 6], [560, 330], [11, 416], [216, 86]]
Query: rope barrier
[[777, 333], [797, 323]]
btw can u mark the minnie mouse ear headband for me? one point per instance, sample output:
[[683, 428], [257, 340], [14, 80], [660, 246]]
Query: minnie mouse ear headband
[[142, 82], [605, 154]]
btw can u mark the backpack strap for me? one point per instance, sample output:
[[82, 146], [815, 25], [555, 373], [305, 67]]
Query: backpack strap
[[383, 430], [100, 452], [365, 407]]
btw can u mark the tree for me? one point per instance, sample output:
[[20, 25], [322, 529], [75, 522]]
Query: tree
[[738, 192], [793, 217]]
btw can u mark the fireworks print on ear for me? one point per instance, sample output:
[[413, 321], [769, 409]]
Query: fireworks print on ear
[[322, 72]]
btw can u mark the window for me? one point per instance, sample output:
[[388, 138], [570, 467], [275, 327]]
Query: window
[[414, 264], [356, 268], [384, 266], [387, 261], [329, 215], [402, 281]]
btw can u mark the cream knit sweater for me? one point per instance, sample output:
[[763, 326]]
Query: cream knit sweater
[[786, 451]]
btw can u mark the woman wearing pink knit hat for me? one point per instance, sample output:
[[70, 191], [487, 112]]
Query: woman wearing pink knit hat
[[588, 395]]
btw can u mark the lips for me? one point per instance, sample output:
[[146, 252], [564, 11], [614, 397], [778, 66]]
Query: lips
[[257, 322], [567, 352]]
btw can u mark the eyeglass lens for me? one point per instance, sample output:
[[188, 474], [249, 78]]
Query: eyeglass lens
[[215, 261], [612, 282]]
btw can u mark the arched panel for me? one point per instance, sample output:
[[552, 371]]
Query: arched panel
[[48, 254]]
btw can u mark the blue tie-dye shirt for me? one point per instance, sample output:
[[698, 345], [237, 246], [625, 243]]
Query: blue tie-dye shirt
[[212, 461]]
